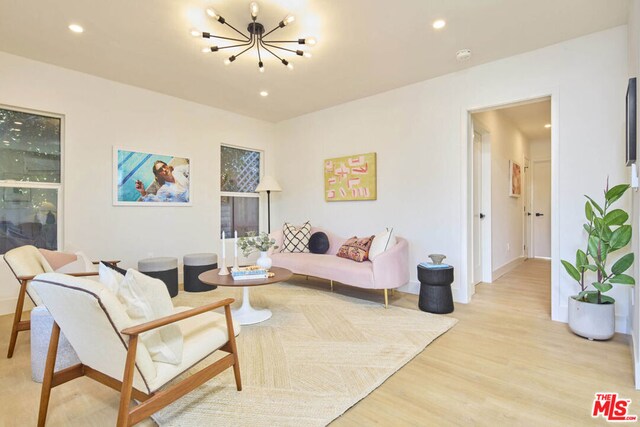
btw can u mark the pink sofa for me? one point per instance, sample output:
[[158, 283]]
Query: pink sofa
[[389, 270]]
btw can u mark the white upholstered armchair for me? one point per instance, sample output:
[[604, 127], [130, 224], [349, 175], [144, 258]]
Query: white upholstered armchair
[[26, 262], [106, 340]]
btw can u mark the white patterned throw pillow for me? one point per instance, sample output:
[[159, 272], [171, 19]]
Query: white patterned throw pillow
[[383, 241], [296, 239]]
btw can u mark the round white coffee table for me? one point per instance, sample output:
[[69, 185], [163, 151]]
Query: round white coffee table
[[246, 314]]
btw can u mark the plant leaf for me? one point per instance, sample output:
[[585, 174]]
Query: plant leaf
[[573, 272], [602, 287], [623, 279], [622, 264], [588, 211], [606, 299], [591, 267], [581, 259], [595, 205], [606, 233], [615, 193], [621, 237], [616, 217], [593, 246]]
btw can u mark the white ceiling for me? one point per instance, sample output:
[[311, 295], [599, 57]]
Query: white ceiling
[[530, 118], [364, 46]]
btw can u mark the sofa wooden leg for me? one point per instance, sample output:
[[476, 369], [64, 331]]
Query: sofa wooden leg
[[307, 277], [331, 285], [386, 299]]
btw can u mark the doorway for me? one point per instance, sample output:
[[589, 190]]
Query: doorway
[[520, 142]]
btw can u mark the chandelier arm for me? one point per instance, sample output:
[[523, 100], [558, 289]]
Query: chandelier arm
[[266, 34], [265, 48], [280, 41], [235, 45], [228, 38], [252, 44], [258, 48], [278, 47], [237, 31]]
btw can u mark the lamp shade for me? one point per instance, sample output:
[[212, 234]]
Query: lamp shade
[[268, 183]]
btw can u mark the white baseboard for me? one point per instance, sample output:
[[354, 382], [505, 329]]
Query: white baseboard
[[501, 271], [636, 362]]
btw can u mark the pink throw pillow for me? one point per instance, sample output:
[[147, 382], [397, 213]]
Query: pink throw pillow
[[356, 249]]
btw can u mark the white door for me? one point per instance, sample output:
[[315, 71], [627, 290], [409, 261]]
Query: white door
[[477, 208], [541, 209], [526, 197]]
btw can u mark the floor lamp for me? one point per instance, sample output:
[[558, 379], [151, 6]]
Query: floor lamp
[[268, 184]]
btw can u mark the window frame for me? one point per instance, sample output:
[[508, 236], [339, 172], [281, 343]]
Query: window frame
[[59, 186], [241, 194]]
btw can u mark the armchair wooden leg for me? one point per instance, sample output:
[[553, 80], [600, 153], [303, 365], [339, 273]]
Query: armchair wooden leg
[[232, 347], [386, 299], [127, 383], [48, 374], [17, 327], [332, 286]]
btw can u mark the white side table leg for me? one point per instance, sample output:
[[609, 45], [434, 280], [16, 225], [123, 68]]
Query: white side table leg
[[246, 314]]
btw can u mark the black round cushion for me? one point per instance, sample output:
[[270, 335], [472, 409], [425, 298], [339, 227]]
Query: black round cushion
[[319, 243]]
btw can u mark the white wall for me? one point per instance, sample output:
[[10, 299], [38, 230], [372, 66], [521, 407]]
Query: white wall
[[420, 135], [633, 71], [507, 219], [540, 149], [100, 114]]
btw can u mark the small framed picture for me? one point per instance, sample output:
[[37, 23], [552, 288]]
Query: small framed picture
[[149, 179], [515, 179]]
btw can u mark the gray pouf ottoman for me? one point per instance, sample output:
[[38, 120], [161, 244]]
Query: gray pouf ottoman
[[194, 265], [41, 325], [163, 268]]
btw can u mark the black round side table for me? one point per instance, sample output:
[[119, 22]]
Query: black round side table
[[435, 289]]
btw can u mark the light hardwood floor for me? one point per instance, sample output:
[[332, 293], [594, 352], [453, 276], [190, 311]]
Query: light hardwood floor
[[504, 363]]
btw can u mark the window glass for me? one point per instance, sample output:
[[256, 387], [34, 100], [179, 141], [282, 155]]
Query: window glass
[[28, 216], [240, 170], [239, 173], [29, 147], [239, 214]]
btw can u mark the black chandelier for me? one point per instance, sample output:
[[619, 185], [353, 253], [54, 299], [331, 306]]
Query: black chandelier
[[256, 38]]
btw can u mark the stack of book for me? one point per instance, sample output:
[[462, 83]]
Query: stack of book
[[252, 272], [432, 266]]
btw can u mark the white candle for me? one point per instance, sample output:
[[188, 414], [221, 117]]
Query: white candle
[[235, 247], [223, 245]]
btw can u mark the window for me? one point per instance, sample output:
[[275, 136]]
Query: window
[[239, 177], [30, 179]]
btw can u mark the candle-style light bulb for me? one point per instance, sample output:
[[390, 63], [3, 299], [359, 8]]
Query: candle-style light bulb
[[307, 55], [288, 19], [195, 33], [253, 7], [311, 41]]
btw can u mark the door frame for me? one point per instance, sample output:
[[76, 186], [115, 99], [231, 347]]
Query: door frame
[[528, 220], [492, 101], [486, 225], [533, 167]]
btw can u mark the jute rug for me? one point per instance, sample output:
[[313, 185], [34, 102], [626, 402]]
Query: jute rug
[[318, 355]]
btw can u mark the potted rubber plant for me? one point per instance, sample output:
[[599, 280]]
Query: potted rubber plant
[[591, 312]]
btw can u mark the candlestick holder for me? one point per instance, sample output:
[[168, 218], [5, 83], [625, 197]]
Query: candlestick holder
[[235, 267], [224, 271]]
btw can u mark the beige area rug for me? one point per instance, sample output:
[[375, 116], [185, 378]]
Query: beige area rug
[[318, 355]]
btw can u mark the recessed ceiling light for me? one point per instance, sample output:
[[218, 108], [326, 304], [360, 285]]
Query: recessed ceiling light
[[76, 28], [264, 93], [547, 126], [439, 24]]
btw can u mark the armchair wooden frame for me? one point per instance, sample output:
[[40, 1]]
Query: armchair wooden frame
[[20, 325], [151, 402]]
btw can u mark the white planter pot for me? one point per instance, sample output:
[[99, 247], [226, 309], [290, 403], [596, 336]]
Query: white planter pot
[[593, 321], [264, 261]]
